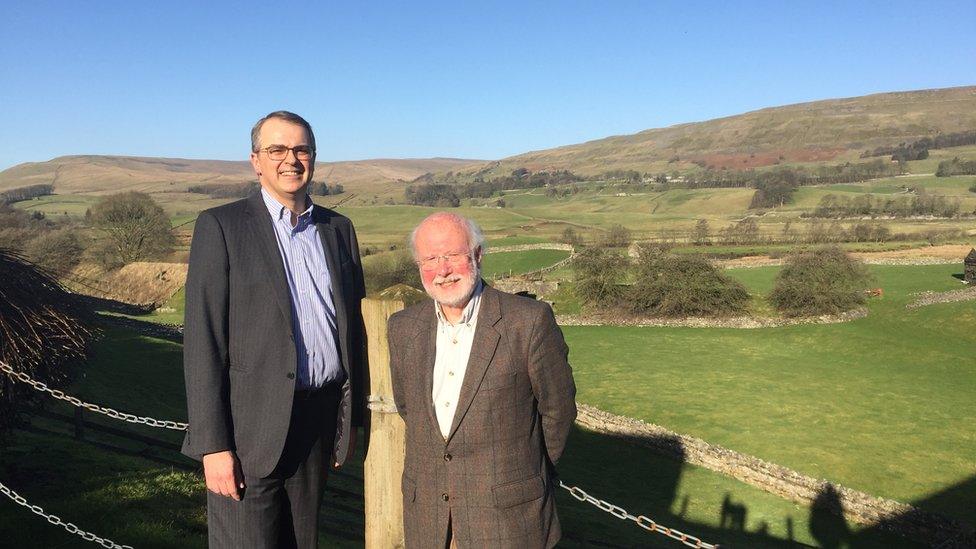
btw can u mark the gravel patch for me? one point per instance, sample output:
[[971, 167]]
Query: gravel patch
[[741, 322], [931, 298]]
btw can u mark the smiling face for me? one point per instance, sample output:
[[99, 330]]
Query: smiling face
[[449, 284], [287, 180]]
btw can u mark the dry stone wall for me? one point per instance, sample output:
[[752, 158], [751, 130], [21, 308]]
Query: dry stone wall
[[855, 506]]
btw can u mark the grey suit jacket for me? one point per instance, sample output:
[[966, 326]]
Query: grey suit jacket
[[493, 475], [239, 354]]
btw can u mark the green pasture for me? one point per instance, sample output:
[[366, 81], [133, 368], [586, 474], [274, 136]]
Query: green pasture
[[146, 496], [56, 205], [883, 404], [392, 224], [509, 263], [514, 240]]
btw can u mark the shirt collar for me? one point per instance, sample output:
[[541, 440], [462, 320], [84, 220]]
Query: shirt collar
[[470, 310], [277, 210]]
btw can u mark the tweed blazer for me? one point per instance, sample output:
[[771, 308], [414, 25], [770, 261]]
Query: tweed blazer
[[239, 355], [493, 475]]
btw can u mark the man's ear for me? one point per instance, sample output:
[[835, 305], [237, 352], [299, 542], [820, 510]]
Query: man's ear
[[255, 165]]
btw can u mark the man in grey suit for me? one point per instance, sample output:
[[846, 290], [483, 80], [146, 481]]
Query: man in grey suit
[[482, 382], [273, 347]]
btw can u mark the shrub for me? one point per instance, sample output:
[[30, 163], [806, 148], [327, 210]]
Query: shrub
[[571, 237], [598, 272], [56, 251], [818, 282], [683, 285], [617, 236], [385, 270]]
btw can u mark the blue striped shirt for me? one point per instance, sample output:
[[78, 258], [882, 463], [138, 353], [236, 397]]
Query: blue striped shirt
[[310, 288]]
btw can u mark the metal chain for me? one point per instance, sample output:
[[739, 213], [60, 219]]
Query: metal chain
[[642, 521], [110, 412], [71, 528]]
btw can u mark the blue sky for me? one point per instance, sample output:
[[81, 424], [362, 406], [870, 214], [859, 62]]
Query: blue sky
[[460, 79]]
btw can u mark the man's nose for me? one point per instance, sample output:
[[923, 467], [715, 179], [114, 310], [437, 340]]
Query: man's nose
[[291, 157], [443, 266]]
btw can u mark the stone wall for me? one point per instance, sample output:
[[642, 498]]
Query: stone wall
[[855, 506]]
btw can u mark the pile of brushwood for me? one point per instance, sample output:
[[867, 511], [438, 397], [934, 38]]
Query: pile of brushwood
[[44, 332]]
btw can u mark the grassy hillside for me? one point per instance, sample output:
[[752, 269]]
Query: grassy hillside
[[96, 175], [830, 130]]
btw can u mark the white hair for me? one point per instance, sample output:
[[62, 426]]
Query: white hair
[[476, 239]]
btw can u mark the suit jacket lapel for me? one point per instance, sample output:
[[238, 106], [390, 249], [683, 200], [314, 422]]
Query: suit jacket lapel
[[483, 347], [330, 242], [259, 222]]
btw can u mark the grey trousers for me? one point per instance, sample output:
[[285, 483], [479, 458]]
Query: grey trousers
[[281, 510]]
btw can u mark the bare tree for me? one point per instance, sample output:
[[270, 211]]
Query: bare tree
[[135, 227]]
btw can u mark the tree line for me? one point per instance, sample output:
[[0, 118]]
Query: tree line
[[834, 206], [26, 193], [956, 166], [117, 229], [243, 190], [919, 149], [448, 190]]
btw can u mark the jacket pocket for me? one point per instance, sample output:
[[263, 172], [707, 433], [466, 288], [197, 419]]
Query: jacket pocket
[[409, 489], [501, 381], [511, 494]]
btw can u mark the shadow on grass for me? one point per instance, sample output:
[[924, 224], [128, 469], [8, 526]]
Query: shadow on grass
[[113, 305]]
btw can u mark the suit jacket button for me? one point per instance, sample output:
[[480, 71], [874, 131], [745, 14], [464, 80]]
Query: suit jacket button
[[291, 375], [445, 497], [447, 457]]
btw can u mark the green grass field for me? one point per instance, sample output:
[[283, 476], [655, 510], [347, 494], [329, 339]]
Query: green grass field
[[146, 496], [507, 263], [882, 404]]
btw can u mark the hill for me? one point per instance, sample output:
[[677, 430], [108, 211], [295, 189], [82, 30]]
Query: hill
[[829, 130], [94, 175]]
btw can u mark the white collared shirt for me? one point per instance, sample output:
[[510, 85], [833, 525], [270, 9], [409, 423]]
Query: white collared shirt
[[451, 360]]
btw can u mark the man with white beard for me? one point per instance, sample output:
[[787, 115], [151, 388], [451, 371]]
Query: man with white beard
[[482, 382]]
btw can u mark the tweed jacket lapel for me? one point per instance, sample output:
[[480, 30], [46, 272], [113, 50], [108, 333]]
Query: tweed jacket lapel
[[426, 351], [483, 347], [260, 226]]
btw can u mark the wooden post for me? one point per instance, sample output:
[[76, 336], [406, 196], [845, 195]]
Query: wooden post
[[384, 457]]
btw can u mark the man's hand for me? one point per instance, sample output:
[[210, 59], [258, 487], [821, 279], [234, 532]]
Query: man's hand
[[223, 473], [350, 450]]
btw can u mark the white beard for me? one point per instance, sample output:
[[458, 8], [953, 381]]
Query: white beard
[[456, 294]]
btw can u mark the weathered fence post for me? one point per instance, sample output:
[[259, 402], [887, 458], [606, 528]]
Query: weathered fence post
[[384, 457]]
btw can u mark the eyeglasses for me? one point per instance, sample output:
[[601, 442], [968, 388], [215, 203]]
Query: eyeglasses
[[280, 152], [454, 260]]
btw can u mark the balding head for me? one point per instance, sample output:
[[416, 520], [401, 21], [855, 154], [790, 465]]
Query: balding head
[[447, 221]]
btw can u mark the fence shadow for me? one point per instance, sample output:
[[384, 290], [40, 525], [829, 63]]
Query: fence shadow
[[951, 502], [646, 481]]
